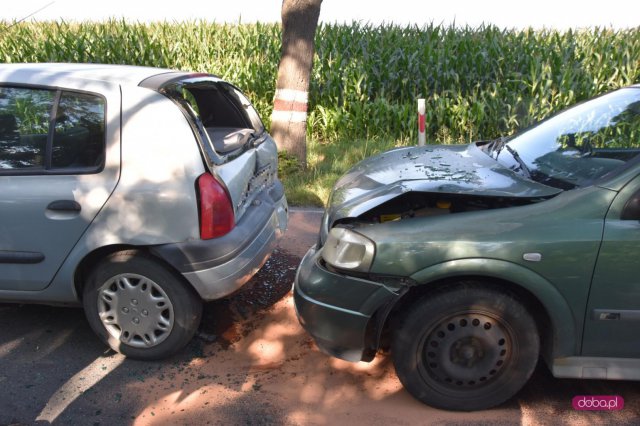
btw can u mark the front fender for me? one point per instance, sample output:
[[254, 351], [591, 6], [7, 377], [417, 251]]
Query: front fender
[[564, 327]]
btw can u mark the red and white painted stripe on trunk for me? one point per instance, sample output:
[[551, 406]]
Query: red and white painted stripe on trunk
[[290, 106]]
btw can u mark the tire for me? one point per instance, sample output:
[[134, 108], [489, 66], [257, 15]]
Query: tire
[[139, 307], [468, 348]]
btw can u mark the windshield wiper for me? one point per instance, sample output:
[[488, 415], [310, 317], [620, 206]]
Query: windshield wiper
[[496, 146], [523, 165]]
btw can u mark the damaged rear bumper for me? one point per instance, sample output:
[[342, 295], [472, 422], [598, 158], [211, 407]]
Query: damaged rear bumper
[[220, 266]]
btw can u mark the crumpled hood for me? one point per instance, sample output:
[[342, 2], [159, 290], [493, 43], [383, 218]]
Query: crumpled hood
[[446, 169]]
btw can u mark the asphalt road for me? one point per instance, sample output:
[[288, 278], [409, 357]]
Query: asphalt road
[[251, 364]]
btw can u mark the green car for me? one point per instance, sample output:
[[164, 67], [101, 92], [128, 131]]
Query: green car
[[470, 262]]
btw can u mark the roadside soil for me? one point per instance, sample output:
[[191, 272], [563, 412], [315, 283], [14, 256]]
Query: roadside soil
[[250, 364]]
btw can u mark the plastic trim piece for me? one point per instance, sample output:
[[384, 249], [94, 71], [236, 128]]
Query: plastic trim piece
[[578, 367], [21, 257]]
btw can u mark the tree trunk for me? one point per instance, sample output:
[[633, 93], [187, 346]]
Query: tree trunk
[[289, 118]]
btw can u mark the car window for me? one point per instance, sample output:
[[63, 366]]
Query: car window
[[583, 143], [78, 140], [24, 127], [216, 106], [32, 142]]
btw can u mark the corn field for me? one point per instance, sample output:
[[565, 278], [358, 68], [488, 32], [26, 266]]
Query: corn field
[[478, 83]]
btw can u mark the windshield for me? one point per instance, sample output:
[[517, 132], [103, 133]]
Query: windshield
[[579, 145]]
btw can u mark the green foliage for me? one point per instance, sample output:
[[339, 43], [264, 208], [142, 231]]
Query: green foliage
[[478, 83], [288, 165], [246, 55]]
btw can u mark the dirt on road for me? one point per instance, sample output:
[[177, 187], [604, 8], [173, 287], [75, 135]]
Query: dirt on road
[[250, 364]]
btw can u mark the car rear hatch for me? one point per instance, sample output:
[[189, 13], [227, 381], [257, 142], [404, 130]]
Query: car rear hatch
[[235, 147]]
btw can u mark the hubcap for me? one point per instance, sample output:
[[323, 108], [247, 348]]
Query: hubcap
[[135, 310], [466, 351]]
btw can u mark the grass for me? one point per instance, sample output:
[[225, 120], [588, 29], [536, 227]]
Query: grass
[[327, 161]]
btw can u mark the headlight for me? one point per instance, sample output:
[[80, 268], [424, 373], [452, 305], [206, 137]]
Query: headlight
[[345, 249]]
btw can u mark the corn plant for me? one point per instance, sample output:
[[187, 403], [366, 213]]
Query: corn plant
[[478, 83]]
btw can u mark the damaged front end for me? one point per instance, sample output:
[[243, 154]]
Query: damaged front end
[[427, 181], [376, 233]]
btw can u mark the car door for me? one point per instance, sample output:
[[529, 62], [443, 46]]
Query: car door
[[54, 176], [613, 311]]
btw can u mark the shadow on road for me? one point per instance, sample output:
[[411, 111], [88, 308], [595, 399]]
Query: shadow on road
[[251, 363]]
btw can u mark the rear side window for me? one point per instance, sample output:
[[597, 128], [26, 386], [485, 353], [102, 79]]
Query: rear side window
[[78, 140], [47, 131]]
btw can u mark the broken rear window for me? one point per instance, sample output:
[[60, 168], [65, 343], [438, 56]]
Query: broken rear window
[[226, 116]]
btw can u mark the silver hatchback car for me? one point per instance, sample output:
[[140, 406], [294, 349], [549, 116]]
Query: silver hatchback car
[[136, 192]]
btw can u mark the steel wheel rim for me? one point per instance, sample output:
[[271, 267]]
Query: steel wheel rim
[[465, 351], [135, 310]]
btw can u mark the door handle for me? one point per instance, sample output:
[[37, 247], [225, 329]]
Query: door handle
[[64, 206]]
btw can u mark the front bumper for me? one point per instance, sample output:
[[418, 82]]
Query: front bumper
[[343, 314], [220, 266]]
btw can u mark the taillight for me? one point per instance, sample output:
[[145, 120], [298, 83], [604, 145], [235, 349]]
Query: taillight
[[216, 211]]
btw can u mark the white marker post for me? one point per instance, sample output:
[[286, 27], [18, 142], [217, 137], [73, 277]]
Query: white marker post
[[422, 137]]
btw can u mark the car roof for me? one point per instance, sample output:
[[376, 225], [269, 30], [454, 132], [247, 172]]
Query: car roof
[[50, 72]]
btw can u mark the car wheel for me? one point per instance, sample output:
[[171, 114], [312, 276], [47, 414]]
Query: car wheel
[[468, 348], [140, 308]]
